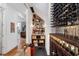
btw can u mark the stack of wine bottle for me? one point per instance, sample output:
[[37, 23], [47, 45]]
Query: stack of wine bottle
[[63, 14]]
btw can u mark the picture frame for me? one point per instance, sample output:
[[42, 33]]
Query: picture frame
[[12, 27]]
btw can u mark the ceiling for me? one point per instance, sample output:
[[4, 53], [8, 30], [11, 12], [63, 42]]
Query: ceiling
[[41, 9], [20, 7]]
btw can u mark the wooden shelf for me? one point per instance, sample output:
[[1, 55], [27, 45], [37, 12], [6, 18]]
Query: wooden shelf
[[65, 14], [66, 43], [38, 40], [59, 50]]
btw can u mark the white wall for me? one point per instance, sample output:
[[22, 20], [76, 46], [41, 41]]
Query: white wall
[[47, 29], [53, 30], [1, 27], [72, 30], [28, 26], [60, 30], [9, 39]]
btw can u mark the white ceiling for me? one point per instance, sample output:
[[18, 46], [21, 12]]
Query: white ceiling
[[41, 9], [20, 7]]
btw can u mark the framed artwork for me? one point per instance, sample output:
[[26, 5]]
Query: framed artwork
[[12, 24]]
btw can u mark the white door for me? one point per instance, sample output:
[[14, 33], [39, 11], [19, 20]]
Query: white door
[[1, 29]]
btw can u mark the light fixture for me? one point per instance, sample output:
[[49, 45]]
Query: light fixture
[[32, 25], [37, 20], [44, 25], [67, 45], [72, 48], [63, 42]]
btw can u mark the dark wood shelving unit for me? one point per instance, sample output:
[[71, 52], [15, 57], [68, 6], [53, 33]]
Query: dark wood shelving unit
[[64, 14], [38, 40], [58, 49], [38, 36], [60, 42], [65, 18]]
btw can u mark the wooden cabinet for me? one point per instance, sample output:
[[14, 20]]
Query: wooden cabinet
[[38, 40]]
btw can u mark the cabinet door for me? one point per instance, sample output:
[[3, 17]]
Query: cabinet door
[[1, 29]]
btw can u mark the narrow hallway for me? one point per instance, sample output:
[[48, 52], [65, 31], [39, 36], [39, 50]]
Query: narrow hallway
[[26, 24]]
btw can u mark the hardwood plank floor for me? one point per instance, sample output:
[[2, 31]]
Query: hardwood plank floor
[[12, 52]]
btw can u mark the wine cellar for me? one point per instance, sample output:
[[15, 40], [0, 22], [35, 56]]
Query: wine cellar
[[65, 18], [65, 14]]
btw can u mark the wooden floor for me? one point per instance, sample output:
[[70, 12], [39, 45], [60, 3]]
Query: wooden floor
[[12, 52], [20, 52], [15, 50]]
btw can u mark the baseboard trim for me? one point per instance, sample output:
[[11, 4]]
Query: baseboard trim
[[11, 52]]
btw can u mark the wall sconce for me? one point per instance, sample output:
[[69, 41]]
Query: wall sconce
[[32, 25], [44, 25]]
